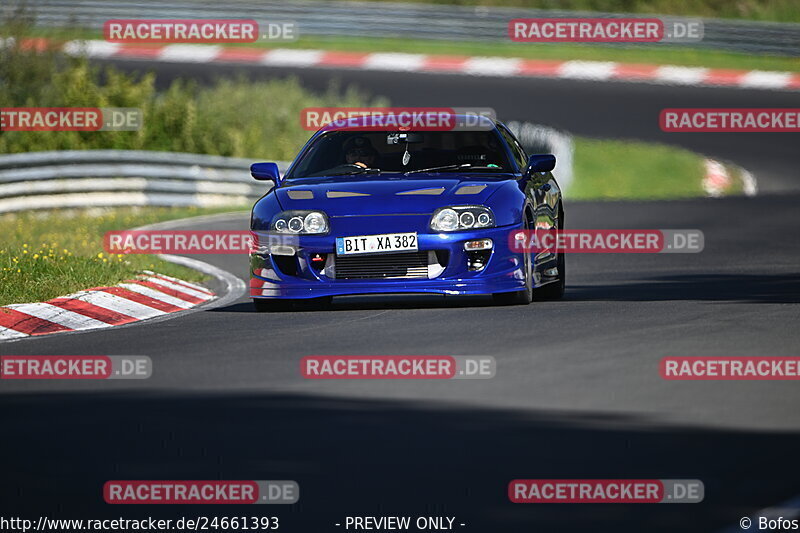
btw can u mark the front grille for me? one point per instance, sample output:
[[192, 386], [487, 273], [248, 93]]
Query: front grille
[[386, 266]]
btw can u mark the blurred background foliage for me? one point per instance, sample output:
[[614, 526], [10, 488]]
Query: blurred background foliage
[[230, 117]]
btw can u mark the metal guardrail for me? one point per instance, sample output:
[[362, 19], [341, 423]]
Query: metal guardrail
[[390, 19], [106, 178]]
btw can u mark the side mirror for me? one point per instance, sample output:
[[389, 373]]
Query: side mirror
[[265, 171], [541, 163]]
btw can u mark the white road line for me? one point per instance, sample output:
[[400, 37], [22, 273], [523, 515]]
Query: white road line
[[492, 66], [190, 53], [112, 302], [59, 316], [186, 290], [394, 61], [157, 295], [91, 48], [760, 79], [588, 70], [234, 287], [289, 57], [749, 182], [179, 281], [681, 75]]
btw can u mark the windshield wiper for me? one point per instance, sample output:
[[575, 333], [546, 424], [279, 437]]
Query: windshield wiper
[[446, 168], [357, 171]]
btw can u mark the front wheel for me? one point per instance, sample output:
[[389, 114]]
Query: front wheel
[[555, 289], [523, 297]]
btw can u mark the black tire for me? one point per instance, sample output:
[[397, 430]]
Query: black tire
[[523, 297], [553, 290], [511, 298]]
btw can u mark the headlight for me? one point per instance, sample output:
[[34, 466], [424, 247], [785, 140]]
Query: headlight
[[462, 217], [301, 222], [315, 223], [445, 220]]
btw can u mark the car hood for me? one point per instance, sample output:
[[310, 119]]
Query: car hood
[[368, 195]]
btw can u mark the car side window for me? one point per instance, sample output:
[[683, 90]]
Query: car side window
[[516, 149]]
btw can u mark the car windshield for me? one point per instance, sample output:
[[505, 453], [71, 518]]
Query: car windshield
[[341, 153]]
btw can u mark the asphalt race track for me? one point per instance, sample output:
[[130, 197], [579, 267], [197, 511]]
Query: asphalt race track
[[577, 392]]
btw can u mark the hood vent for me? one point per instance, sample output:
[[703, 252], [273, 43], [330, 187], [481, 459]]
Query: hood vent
[[470, 189], [433, 191], [344, 194], [300, 195]]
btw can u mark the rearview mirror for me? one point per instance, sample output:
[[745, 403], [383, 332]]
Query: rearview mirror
[[265, 171], [403, 138], [541, 163]]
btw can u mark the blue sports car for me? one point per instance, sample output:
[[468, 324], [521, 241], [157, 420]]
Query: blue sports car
[[371, 210]]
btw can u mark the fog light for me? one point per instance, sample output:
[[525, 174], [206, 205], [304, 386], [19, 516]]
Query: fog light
[[476, 261], [479, 244], [282, 250]]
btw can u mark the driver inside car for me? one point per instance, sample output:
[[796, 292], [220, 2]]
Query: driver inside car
[[360, 152]]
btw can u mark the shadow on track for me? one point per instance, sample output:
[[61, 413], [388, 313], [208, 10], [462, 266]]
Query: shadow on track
[[354, 457], [784, 289], [377, 302]]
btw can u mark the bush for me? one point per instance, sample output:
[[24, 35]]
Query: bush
[[232, 117]]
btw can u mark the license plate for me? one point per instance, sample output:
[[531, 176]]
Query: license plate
[[377, 244]]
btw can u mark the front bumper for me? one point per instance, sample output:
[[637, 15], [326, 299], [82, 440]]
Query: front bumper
[[271, 278]]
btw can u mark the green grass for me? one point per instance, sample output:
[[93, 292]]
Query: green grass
[[52, 253], [613, 170], [775, 10]]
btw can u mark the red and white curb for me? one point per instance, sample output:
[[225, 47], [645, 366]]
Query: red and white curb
[[148, 296], [718, 179], [445, 64]]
